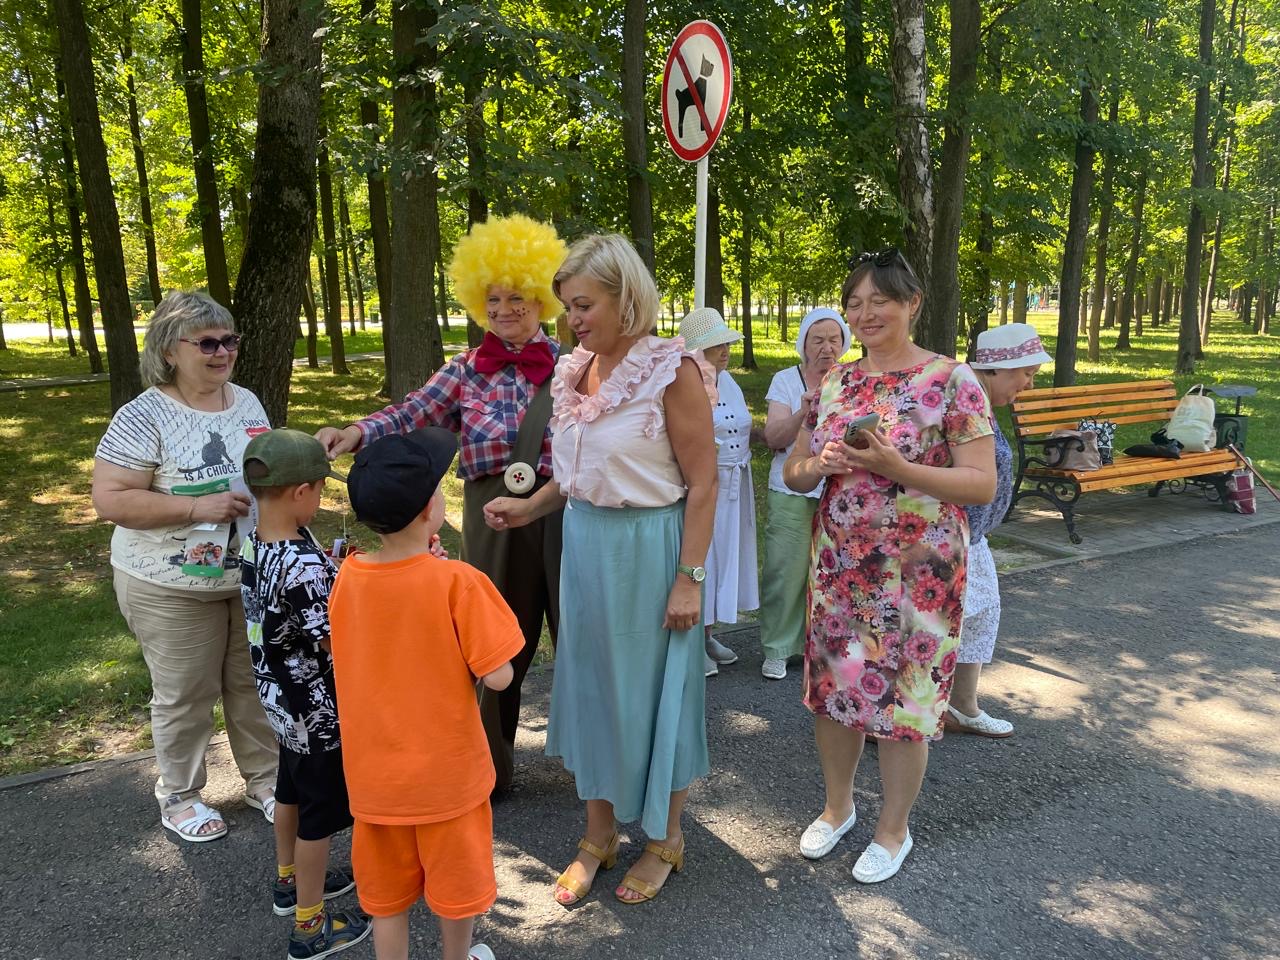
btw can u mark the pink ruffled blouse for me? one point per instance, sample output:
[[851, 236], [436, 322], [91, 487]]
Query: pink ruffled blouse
[[611, 449]]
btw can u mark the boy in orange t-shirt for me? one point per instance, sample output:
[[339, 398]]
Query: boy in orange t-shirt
[[411, 633]]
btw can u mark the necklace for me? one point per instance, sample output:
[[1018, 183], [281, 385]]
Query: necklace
[[222, 396]]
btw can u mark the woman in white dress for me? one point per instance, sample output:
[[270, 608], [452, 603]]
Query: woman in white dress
[[732, 585]]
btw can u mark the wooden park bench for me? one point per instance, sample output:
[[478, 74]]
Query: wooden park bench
[[1037, 413]]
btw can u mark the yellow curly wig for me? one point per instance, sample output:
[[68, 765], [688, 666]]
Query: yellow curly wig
[[516, 252]]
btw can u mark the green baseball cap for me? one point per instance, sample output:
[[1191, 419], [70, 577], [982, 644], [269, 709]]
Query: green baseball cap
[[289, 457]]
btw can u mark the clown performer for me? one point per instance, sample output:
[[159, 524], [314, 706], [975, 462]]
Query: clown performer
[[497, 398], [732, 584]]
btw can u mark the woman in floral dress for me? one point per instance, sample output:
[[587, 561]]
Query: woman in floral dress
[[888, 565]]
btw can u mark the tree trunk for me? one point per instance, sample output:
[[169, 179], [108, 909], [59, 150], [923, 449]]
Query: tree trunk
[[80, 272], [915, 166], [62, 303], [1189, 329], [277, 252], [1166, 309], [413, 347], [1131, 270], [477, 199], [715, 264], [333, 292], [309, 308], [1064, 366], [140, 163], [981, 311], [944, 285], [55, 239], [215, 255], [379, 223], [1206, 318], [1157, 292], [350, 262], [1105, 205], [635, 130], [1019, 301], [442, 301], [1266, 291], [744, 260], [1004, 302], [100, 202]]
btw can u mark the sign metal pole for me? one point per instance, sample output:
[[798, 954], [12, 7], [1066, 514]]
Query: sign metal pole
[[700, 238]]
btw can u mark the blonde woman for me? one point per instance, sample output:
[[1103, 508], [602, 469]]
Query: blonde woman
[[635, 460], [497, 397]]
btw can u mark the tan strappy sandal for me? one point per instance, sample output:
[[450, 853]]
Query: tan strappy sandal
[[608, 857], [647, 890]]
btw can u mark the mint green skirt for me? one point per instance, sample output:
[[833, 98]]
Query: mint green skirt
[[627, 699]]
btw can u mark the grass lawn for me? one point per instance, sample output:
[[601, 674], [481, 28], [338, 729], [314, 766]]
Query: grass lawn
[[72, 682]]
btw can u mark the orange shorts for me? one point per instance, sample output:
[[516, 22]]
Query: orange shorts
[[449, 863]]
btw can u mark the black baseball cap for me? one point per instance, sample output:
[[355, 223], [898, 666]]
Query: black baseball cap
[[394, 477]]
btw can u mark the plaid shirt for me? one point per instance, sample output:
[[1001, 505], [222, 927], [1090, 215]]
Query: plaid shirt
[[485, 411]]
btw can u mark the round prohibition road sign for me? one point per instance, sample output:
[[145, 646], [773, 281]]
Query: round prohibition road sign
[[697, 86]]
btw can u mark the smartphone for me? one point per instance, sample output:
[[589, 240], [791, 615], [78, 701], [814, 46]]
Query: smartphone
[[870, 422]]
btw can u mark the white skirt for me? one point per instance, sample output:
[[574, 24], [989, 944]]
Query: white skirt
[[981, 606], [732, 583]]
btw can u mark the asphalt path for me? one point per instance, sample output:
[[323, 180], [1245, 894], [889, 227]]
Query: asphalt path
[[1133, 814]]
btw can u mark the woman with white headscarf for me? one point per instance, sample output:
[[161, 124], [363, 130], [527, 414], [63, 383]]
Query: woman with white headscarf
[[824, 338]]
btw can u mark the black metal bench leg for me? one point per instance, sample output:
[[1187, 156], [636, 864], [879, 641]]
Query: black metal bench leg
[[1219, 481], [1155, 491], [1069, 518]]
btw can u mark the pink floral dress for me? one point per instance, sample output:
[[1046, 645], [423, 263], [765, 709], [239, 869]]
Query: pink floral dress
[[887, 577]]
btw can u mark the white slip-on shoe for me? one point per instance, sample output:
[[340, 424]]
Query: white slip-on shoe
[[820, 837], [480, 951], [983, 725], [710, 666], [774, 668], [718, 652], [877, 864]]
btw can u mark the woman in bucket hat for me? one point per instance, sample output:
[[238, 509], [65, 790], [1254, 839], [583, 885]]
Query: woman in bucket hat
[[497, 398], [732, 584], [1006, 359]]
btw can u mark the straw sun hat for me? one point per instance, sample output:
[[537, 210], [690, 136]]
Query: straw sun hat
[[704, 327], [1009, 346]]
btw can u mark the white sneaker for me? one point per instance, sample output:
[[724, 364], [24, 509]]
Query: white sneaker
[[718, 652], [480, 951], [820, 837], [711, 667], [775, 668], [877, 864]]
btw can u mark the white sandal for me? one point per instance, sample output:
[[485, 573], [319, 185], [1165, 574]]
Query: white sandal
[[267, 806], [190, 829]]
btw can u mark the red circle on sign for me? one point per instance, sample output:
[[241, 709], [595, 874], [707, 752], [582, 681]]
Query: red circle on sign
[[707, 29]]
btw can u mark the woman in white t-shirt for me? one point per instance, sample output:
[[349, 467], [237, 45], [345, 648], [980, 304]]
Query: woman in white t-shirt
[[788, 533], [167, 474], [732, 571]]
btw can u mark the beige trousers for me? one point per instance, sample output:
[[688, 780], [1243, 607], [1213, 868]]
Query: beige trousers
[[196, 650]]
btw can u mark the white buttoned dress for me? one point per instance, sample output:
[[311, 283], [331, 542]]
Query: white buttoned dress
[[732, 573]]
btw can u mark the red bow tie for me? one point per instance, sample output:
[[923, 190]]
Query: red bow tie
[[534, 360]]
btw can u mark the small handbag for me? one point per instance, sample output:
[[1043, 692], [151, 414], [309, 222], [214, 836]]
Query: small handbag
[[1082, 455], [1106, 433], [1192, 422], [1240, 495]]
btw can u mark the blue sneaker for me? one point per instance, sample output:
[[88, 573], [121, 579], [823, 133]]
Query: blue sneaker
[[326, 941], [284, 896]]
